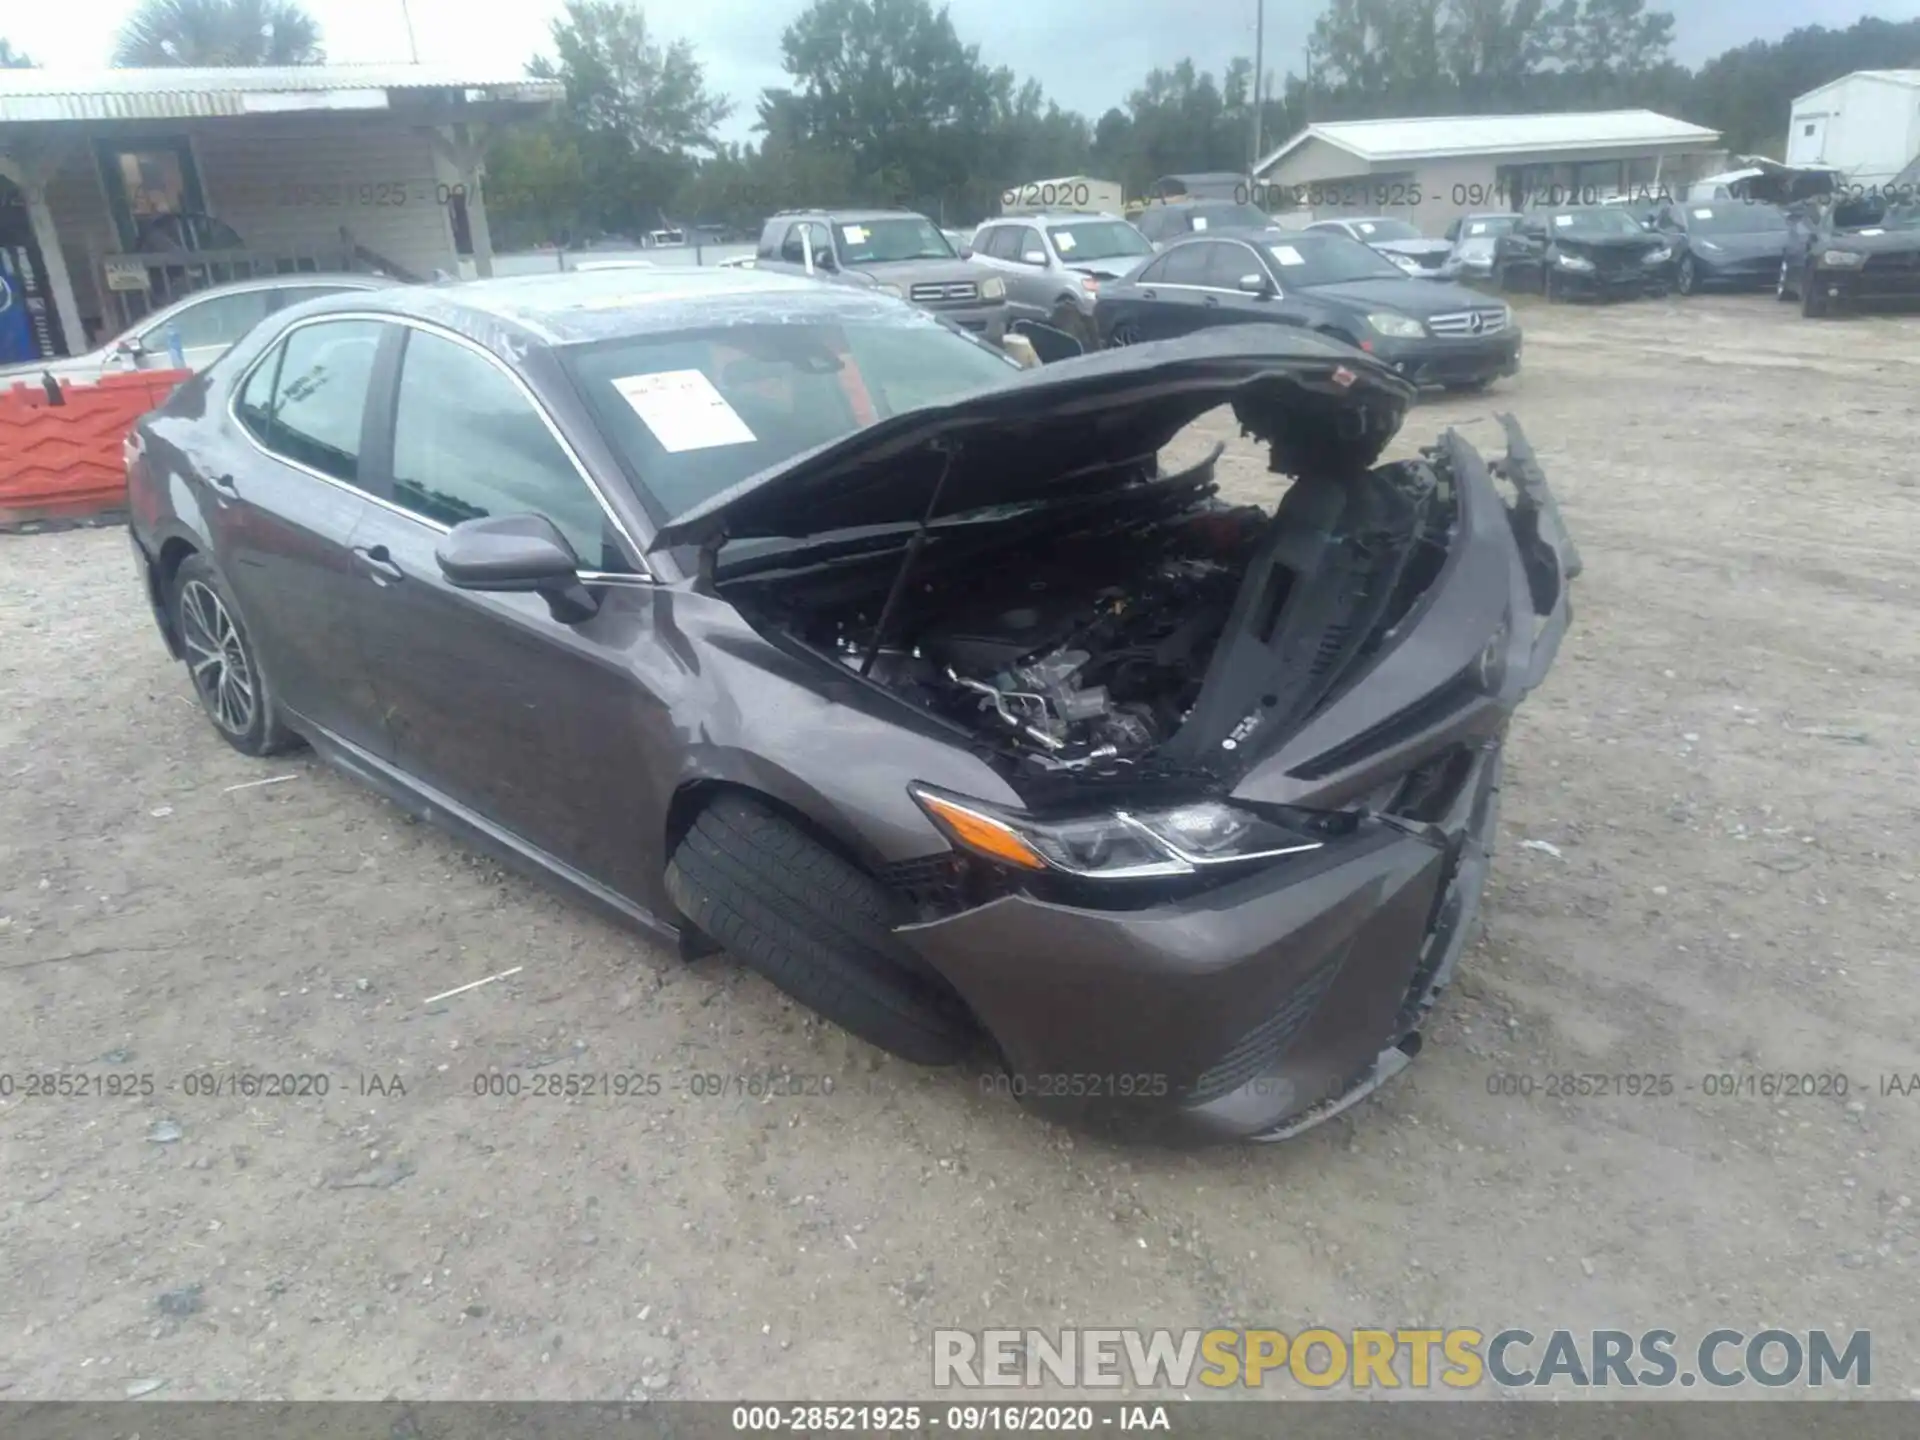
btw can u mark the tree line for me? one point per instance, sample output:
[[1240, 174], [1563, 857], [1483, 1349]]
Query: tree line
[[887, 104]]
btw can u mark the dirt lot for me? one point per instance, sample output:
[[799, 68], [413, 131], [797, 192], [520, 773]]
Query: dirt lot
[[1724, 763]]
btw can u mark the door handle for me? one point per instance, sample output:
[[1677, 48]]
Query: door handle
[[1213, 300], [225, 485], [377, 565], [1148, 295]]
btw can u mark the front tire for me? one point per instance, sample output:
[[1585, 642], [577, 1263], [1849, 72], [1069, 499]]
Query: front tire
[[221, 662], [1067, 317], [817, 926], [1685, 280], [1124, 333], [1782, 291], [1815, 303]]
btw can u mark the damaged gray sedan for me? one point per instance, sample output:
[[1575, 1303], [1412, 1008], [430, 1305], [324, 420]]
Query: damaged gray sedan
[[781, 619]]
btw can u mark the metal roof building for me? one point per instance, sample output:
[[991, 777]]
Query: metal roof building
[[1433, 168], [107, 177]]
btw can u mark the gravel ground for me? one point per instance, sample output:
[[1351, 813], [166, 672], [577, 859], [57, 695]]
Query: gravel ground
[[1722, 764]]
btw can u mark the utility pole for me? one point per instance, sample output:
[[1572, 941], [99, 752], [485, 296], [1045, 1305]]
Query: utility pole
[[1259, 57], [413, 47]]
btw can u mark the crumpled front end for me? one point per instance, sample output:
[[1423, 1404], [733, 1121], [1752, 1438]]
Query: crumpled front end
[[1261, 1003]]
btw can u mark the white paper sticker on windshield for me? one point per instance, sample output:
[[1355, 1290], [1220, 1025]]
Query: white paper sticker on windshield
[[854, 234], [1064, 242], [1562, 221], [1287, 255], [1875, 231], [1478, 227], [1364, 228], [1703, 214], [683, 410], [1199, 222]]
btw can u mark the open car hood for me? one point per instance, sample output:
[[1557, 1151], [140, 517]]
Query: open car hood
[[1074, 427]]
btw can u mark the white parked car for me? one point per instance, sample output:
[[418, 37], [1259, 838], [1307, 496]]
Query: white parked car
[[207, 324]]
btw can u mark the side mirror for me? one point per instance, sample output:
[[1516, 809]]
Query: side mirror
[[517, 554], [127, 351], [1256, 284], [966, 252], [1033, 257]]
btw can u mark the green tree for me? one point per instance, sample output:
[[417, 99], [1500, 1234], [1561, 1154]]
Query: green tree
[[636, 116], [12, 59], [219, 32], [1386, 49]]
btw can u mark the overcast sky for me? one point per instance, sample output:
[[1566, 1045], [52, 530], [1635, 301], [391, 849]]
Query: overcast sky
[[1087, 53]]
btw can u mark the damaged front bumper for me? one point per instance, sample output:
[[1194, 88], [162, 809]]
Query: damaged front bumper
[[1261, 1007]]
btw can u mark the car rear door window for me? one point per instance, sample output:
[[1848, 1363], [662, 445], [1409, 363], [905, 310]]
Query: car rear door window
[[467, 442], [318, 396], [1226, 264], [214, 323], [1186, 264]]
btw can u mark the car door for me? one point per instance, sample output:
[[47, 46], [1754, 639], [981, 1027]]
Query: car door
[[206, 329], [283, 498], [1175, 295], [490, 701], [1222, 301], [1031, 284], [1520, 254]]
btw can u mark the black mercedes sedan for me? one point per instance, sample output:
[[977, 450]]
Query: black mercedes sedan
[[1596, 252], [1432, 333], [1723, 244], [785, 619]]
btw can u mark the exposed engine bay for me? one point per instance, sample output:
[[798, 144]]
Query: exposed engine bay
[[1157, 622]]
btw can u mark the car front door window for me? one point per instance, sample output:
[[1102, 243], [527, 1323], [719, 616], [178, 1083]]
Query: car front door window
[[467, 443], [318, 397]]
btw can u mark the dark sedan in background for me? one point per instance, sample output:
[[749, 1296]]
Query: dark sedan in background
[[1476, 240], [1723, 244], [785, 618], [1852, 253], [1164, 222], [1430, 331], [1592, 251]]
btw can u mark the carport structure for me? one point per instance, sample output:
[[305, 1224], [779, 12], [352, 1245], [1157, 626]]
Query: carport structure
[[109, 178]]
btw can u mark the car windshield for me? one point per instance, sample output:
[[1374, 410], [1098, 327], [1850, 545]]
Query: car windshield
[[1736, 217], [696, 411], [905, 237], [1598, 219], [1232, 217], [1486, 227], [1386, 230], [1876, 214], [1086, 240], [1322, 257]]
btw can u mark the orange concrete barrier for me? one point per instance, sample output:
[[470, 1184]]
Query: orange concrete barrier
[[64, 460]]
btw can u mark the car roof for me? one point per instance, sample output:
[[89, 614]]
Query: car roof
[[1052, 217], [580, 306], [852, 212]]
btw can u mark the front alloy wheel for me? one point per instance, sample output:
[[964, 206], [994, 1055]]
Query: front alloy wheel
[[216, 659], [1686, 280], [1781, 290]]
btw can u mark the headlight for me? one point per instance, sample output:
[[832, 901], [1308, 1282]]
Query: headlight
[[893, 290], [1573, 262], [1705, 245], [1660, 256], [1406, 263], [992, 289], [1121, 845], [1506, 317], [1842, 259], [1400, 327]]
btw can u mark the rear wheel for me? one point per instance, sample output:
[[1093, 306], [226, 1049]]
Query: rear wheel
[[817, 926], [1782, 291], [221, 662], [1685, 279], [1124, 333]]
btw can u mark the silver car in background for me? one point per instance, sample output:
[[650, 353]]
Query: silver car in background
[[1400, 242], [1475, 238], [1054, 264], [204, 325]]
